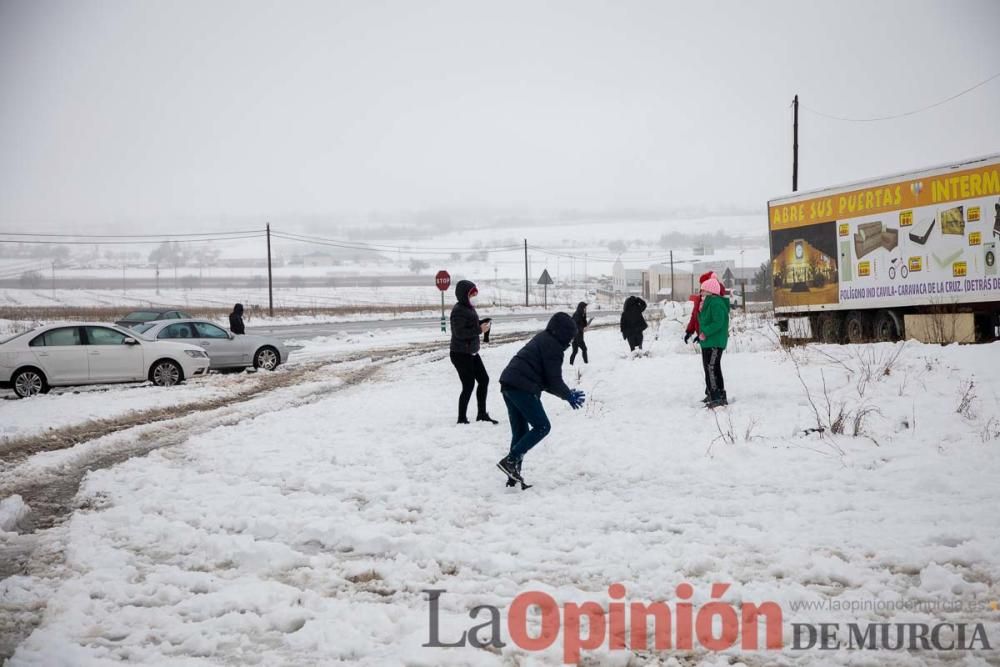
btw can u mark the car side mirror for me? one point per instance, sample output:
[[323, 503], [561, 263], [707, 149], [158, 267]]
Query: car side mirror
[[131, 341], [231, 335]]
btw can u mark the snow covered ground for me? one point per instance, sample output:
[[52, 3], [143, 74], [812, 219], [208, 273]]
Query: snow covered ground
[[308, 535]]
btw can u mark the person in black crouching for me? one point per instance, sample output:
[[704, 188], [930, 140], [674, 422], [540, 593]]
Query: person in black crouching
[[466, 328], [537, 367]]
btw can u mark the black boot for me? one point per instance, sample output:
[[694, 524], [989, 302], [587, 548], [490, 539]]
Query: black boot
[[717, 400], [485, 417], [510, 480], [462, 420], [510, 468]]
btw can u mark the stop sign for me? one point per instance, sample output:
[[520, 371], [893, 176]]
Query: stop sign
[[442, 280]]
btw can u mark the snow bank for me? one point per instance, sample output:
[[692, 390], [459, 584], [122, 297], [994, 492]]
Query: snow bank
[[12, 511]]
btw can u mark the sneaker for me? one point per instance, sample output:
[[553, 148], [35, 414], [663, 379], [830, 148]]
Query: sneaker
[[510, 468], [485, 417]]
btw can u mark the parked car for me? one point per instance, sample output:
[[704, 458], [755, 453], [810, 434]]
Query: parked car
[[141, 316], [225, 350], [68, 354]]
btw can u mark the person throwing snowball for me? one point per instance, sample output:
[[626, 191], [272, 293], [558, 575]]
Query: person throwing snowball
[[537, 367]]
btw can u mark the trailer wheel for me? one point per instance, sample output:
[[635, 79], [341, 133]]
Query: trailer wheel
[[884, 329], [828, 328], [857, 326]]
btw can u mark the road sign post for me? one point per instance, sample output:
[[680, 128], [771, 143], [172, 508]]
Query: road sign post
[[443, 281], [545, 280]]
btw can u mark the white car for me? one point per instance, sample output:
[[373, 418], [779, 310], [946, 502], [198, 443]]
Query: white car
[[60, 355], [225, 350]]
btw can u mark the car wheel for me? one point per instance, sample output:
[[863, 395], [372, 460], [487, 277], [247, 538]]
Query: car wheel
[[166, 373], [30, 382], [266, 358]]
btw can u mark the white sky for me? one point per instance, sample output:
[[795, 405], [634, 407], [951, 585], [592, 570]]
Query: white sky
[[117, 112]]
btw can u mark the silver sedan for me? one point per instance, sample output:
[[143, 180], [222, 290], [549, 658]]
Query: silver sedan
[[225, 350]]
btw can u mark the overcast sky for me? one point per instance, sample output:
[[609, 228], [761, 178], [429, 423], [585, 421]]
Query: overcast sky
[[114, 112]]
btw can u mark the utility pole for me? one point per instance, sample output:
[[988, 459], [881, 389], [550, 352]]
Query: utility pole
[[53, 280], [795, 144], [123, 278], [157, 279], [525, 272], [672, 298], [270, 285]]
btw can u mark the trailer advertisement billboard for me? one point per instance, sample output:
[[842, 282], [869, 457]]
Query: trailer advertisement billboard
[[924, 239]]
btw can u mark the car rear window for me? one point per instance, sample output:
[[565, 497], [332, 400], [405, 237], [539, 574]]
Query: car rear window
[[143, 316], [10, 338]]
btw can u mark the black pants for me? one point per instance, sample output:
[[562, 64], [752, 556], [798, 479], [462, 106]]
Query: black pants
[[634, 340], [711, 359], [578, 344], [471, 371]]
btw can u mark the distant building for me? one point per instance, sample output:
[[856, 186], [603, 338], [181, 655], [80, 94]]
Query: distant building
[[659, 284], [626, 281]]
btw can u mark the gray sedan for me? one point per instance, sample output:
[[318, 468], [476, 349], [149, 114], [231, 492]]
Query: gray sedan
[[225, 350]]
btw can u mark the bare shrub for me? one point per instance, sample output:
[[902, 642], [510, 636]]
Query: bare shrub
[[967, 396]]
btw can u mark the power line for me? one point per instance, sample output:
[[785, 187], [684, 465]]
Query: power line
[[150, 242], [127, 236], [288, 236], [906, 113], [381, 247]]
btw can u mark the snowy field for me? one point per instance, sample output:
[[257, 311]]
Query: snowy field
[[308, 534]]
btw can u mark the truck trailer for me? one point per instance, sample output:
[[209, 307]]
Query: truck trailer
[[907, 256]]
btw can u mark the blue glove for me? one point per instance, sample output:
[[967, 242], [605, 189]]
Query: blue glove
[[576, 398]]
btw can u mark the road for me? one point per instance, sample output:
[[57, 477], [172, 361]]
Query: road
[[333, 328]]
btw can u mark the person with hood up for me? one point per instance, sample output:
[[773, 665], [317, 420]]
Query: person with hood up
[[632, 322], [581, 322], [466, 328], [692, 326], [236, 320], [537, 367], [713, 323]]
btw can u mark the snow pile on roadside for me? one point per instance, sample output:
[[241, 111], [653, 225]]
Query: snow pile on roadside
[[12, 511], [308, 536]]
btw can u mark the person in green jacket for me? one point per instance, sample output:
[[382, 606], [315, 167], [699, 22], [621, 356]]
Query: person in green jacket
[[713, 321]]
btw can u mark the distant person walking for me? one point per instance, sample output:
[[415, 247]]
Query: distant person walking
[[713, 322], [536, 367], [466, 328], [581, 322], [632, 322], [236, 320]]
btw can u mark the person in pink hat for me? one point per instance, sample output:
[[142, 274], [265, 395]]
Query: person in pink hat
[[713, 324]]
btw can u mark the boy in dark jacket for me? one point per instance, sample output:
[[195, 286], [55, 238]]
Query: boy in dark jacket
[[537, 367], [236, 320], [466, 327], [581, 322], [713, 320], [632, 322]]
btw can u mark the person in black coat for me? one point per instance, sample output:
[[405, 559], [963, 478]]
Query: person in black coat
[[581, 322], [632, 322], [537, 367], [236, 320], [466, 327]]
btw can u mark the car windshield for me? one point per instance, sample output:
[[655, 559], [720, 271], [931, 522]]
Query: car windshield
[[143, 328], [142, 316]]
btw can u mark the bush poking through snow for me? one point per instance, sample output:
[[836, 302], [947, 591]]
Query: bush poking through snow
[[991, 430], [967, 396]]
